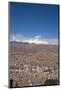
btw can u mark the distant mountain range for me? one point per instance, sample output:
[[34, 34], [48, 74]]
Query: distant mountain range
[[27, 47], [35, 40]]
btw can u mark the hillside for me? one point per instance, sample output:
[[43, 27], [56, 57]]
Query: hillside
[[32, 64]]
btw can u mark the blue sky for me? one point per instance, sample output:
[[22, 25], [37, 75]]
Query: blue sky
[[30, 20]]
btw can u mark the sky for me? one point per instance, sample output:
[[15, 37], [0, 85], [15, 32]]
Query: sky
[[33, 22]]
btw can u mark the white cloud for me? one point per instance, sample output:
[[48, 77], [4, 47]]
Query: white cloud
[[17, 37], [37, 39]]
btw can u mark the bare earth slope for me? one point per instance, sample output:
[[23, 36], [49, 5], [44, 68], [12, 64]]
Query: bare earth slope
[[32, 64]]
